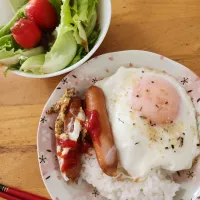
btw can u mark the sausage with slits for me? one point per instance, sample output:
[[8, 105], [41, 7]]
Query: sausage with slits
[[103, 143], [72, 161], [71, 114]]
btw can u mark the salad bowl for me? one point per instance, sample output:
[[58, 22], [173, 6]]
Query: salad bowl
[[103, 9]]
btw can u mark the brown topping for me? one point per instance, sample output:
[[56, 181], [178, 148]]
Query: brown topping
[[63, 100], [61, 107]]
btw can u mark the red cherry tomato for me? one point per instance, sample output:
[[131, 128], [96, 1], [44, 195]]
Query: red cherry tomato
[[26, 33], [42, 13]]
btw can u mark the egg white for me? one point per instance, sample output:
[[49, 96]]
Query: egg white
[[142, 147]]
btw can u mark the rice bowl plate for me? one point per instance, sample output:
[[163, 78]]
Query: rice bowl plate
[[93, 183]]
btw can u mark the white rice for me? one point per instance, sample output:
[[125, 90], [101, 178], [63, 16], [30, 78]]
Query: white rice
[[158, 185]]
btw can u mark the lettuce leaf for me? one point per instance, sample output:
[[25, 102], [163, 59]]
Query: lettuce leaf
[[81, 52], [91, 24], [8, 43], [12, 57], [61, 54], [91, 8], [64, 49], [74, 7], [85, 18], [83, 10], [79, 55], [57, 5], [14, 67], [16, 4], [33, 64], [80, 34], [6, 29], [80, 9], [93, 38]]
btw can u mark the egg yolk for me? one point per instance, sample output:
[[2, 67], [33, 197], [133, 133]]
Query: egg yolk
[[156, 99]]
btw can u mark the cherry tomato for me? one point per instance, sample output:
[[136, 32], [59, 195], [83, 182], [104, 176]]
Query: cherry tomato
[[26, 33], [42, 13]]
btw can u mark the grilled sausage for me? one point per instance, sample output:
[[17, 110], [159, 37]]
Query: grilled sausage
[[71, 114], [71, 165], [103, 141]]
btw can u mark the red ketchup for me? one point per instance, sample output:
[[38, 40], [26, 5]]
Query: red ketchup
[[67, 143], [85, 147], [93, 125], [70, 159]]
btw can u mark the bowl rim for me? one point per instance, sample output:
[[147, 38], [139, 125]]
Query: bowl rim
[[83, 60]]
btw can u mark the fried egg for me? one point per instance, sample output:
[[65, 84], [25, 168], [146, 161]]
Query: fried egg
[[153, 121]]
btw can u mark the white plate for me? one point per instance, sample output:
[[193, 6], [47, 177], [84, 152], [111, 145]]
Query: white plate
[[81, 78]]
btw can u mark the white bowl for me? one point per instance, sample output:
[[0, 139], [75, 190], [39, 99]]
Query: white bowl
[[104, 17]]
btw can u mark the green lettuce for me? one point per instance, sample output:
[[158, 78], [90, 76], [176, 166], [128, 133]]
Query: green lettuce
[[85, 18], [79, 55], [14, 67], [83, 10], [65, 46], [80, 34], [33, 64], [16, 4], [57, 5], [7, 42], [81, 52], [91, 23], [12, 57], [91, 8], [93, 38]]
